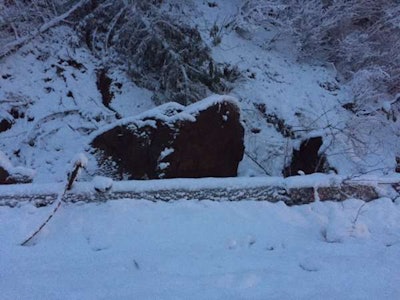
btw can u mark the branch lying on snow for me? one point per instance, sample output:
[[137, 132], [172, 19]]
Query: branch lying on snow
[[80, 162], [18, 43]]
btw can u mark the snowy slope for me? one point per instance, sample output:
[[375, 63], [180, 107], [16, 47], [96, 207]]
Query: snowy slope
[[203, 250], [53, 79], [309, 98]]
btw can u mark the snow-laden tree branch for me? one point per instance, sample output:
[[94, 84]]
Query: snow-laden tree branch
[[20, 41], [360, 38], [159, 52]]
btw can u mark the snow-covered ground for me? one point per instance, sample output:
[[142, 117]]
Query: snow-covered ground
[[54, 83], [137, 249]]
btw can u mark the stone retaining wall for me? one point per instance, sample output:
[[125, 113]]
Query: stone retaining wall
[[271, 193]]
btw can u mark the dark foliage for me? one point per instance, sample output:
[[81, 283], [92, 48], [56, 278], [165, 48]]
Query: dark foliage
[[158, 52]]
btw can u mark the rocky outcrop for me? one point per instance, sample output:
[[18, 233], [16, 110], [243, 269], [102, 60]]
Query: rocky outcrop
[[204, 139], [3, 175], [5, 124], [104, 86]]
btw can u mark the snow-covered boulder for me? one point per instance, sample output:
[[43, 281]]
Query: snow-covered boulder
[[204, 139], [10, 174]]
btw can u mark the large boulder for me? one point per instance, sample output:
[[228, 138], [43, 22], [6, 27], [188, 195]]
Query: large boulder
[[204, 139]]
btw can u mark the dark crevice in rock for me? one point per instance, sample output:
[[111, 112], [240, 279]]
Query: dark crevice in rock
[[104, 86], [5, 125], [307, 159]]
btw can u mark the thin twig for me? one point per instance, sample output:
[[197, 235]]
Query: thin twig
[[14, 45], [257, 163]]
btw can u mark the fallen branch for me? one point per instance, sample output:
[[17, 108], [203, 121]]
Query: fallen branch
[[71, 179]]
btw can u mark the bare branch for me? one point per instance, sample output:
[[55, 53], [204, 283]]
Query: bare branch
[[12, 46]]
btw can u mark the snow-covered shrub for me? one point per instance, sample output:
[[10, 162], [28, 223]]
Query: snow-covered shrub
[[368, 86], [360, 38], [15, 14], [159, 52], [257, 12], [357, 37], [18, 17], [250, 15], [21, 21]]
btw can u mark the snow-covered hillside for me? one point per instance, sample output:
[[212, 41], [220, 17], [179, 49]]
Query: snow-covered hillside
[[50, 92], [55, 86]]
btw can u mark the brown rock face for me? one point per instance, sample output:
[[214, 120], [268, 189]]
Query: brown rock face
[[5, 124], [3, 175], [7, 178], [172, 141]]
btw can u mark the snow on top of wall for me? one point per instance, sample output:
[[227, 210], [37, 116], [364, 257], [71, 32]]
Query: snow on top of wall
[[189, 184]]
